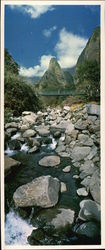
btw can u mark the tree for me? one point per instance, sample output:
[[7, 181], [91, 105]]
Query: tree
[[87, 79]]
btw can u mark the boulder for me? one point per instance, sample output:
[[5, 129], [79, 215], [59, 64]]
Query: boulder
[[61, 148], [88, 229], [86, 182], [82, 192], [42, 191], [9, 164], [29, 118], [29, 133], [50, 161], [11, 131], [93, 152], [33, 150], [63, 187], [79, 153], [90, 210], [43, 130], [85, 140], [64, 218], [67, 169], [95, 186], [67, 108], [76, 176], [93, 109], [26, 113], [81, 124], [11, 125], [24, 127]]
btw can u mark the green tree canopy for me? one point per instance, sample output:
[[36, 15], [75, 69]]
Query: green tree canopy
[[87, 79]]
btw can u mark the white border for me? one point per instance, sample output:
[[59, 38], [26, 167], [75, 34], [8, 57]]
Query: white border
[[102, 4]]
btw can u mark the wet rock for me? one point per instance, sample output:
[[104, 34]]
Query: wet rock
[[76, 176], [29, 133], [47, 140], [63, 187], [57, 134], [67, 139], [50, 161], [11, 131], [82, 192], [67, 169], [64, 218], [93, 109], [90, 210], [95, 186], [86, 182], [9, 164], [61, 148], [36, 236], [89, 229], [14, 145], [42, 191], [33, 150], [79, 153]]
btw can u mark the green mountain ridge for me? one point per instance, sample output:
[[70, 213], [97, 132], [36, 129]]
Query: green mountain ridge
[[55, 79], [91, 51]]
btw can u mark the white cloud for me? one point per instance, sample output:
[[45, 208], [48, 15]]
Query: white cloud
[[34, 11], [37, 70], [68, 48], [48, 32]]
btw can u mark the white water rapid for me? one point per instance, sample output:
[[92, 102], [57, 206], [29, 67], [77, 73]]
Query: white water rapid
[[16, 229]]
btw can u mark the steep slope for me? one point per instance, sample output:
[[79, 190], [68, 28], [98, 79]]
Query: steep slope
[[92, 50], [87, 74], [54, 79], [18, 96]]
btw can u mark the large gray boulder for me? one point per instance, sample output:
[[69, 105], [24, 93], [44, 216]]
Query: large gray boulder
[[29, 133], [93, 109], [64, 218], [95, 186], [90, 210], [29, 117], [50, 161], [81, 124], [89, 229], [85, 140], [43, 130], [79, 153], [9, 164], [11, 125], [42, 191]]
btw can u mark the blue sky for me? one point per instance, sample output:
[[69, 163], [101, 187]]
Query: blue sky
[[35, 33]]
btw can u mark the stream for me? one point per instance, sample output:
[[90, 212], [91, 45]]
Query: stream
[[20, 222]]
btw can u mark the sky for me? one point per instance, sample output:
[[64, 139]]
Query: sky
[[36, 33]]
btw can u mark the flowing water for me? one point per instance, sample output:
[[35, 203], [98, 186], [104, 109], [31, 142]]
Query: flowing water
[[20, 223]]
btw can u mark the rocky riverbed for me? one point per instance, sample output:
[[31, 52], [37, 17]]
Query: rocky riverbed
[[52, 176]]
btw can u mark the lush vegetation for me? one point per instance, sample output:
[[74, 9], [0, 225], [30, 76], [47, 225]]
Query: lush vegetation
[[19, 96], [87, 79]]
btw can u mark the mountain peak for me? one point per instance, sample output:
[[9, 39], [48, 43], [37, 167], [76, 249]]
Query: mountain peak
[[53, 64]]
